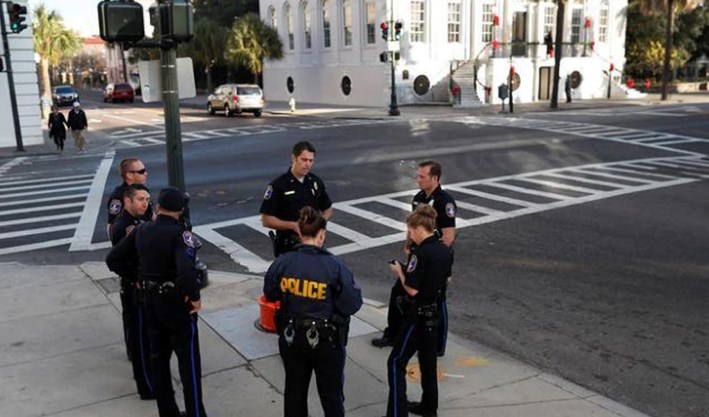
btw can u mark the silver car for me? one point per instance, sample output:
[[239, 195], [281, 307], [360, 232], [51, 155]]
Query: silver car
[[236, 99]]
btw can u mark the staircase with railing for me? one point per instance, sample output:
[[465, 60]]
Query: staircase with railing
[[464, 78]]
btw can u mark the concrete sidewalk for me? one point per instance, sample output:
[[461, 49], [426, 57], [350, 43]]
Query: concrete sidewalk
[[62, 354]]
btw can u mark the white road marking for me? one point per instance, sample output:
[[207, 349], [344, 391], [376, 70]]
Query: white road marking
[[12, 163], [523, 190], [35, 246], [490, 196], [574, 176], [56, 190], [85, 230], [41, 200], [39, 231], [53, 207], [38, 186], [40, 219], [553, 184], [46, 180]]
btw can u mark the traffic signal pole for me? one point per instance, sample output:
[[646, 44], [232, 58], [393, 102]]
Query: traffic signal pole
[[171, 108], [11, 84]]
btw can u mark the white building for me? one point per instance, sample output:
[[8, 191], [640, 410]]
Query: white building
[[332, 49], [26, 88]]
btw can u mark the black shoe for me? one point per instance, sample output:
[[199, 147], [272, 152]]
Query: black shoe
[[148, 396], [440, 354], [415, 408], [382, 342]]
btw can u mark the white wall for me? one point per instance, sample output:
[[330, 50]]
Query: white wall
[[26, 90]]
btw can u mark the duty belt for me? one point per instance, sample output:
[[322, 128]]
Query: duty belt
[[312, 326], [160, 287]]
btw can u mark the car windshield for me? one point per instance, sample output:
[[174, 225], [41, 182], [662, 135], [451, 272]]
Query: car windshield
[[248, 91], [64, 90], [123, 87]]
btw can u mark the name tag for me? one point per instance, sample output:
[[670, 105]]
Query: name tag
[[289, 192]]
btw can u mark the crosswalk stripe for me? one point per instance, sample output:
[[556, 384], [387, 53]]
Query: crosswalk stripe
[[237, 252], [476, 208], [38, 186], [394, 203], [42, 200], [39, 219], [394, 224], [630, 171], [346, 232], [255, 223], [676, 142], [523, 190], [46, 180], [41, 230], [495, 197], [35, 246], [53, 207], [57, 190], [614, 176], [693, 163], [570, 176], [560, 185]]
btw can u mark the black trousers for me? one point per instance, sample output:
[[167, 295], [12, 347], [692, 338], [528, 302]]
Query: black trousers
[[414, 337], [135, 330], [172, 329], [395, 316], [327, 360]]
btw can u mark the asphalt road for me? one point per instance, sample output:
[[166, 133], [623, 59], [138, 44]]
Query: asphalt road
[[609, 292]]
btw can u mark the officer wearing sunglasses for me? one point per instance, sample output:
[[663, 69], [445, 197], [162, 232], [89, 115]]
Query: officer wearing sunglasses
[[132, 171]]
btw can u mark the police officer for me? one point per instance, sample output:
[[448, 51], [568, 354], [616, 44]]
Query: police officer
[[132, 171], [428, 177], [287, 194], [424, 276], [135, 203], [166, 268], [318, 293]]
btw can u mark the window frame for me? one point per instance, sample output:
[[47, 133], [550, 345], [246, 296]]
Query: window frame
[[454, 26], [307, 26], [347, 29], [417, 25], [370, 22], [288, 17], [487, 16], [603, 22], [326, 24]]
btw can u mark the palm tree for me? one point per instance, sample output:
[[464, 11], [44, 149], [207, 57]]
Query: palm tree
[[207, 46], [250, 41], [53, 43], [670, 8]]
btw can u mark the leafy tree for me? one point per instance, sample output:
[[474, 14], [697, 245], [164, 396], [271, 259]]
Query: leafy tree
[[53, 42], [207, 46], [250, 41], [224, 11]]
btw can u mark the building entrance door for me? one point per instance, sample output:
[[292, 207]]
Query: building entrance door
[[545, 82], [519, 34]]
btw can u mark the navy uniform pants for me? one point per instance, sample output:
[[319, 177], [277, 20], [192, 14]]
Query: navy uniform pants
[[395, 317], [172, 329], [327, 361], [135, 331], [414, 336]]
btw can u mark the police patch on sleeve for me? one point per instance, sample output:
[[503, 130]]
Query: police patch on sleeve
[[115, 206], [130, 229], [269, 192], [450, 210], [412, 264], [188, 238]]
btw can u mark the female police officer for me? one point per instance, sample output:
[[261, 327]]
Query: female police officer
[[318, 294], [425, 274]]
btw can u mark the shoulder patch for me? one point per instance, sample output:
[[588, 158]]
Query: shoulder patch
[[130, 229], [115, 206], [269, 192], [450, 210], [412, 264], [188, 238]]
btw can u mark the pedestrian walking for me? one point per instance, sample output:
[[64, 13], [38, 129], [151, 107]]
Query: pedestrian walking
[[567, 88], [78, 124], [428, 178], [166, 270], [132, 171], [423, 277], [135, 201], [290, 192], [318, 295], [57, 125]]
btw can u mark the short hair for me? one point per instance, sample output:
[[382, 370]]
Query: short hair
[[311, 221], [424, 216], [133, 189], [299, 147], [435, 168], [124, 167]]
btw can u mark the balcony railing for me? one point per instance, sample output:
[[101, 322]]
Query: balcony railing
[[537, 50]]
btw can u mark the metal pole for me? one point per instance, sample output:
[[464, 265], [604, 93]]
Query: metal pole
[[11, 85], [171, 106], [393, 105], [610, 79]]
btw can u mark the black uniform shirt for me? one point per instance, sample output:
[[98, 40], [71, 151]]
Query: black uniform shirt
[[123, 226], [428, 268], [115, 205], [165, 252], [285, 196], [312, 283], [443, 203]]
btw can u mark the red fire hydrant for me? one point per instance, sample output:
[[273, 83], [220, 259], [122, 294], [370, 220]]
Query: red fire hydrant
[[630, 83], [647, 85]]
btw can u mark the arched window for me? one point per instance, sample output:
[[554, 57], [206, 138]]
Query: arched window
[[288, 17], [307, 33], [347, 23], [272, 17], [325, 5]]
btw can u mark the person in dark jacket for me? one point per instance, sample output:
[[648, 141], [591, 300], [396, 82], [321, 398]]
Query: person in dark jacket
[[165, 254], [57, 125], [318, 295], [78, 124], [132, 171], [424, 276], [135, 201]]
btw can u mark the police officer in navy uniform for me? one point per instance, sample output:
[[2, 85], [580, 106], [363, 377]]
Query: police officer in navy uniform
[[132, 171], [428, 177], [166, 268], [423, 277], [135, 202], [318, 294], [287, 194]]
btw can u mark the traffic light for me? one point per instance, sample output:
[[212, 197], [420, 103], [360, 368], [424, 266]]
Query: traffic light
[[385, 30], [18, 14], [173, 20], [120, 21], [383, 57], [397, 30]]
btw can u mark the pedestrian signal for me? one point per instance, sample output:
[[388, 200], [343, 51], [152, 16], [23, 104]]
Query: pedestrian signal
[[18, 14]]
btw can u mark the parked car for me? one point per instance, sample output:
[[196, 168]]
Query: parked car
[[236, 98], [64, 95], [118, 92]]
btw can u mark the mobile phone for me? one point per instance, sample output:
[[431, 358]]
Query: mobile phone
[[392, 261]]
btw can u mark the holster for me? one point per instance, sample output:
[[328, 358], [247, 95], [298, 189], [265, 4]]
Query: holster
[[342, 328]]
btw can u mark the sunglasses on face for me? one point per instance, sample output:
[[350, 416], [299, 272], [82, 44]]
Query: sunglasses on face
[[140, 171]]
